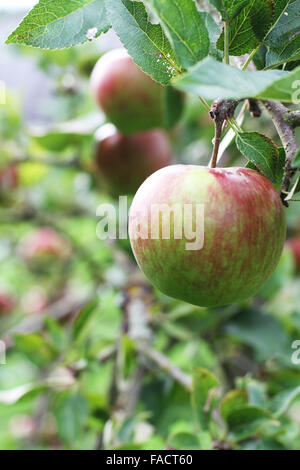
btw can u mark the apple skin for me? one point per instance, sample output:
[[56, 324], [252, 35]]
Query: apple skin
[[124, 162], [294, 245], [244, 234], [131, 100]]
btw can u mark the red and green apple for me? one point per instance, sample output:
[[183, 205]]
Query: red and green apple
[[243, 224]]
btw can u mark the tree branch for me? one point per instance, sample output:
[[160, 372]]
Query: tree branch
[[254, 108], [286, 133], [166, 365], [223, 109], [292, 118], [59, 309]]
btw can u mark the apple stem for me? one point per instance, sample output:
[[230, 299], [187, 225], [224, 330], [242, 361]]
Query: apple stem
[[220, 111], [217, 140]]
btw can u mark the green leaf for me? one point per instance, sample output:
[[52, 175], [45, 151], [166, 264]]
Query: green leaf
[[83, 320], [184, 441], [283, 41], [279, 7], [263, 333], [126, 432], [12, 396], [36, 348], [259, 58], [296, 162], [286, 52], [247, 421], [128, 354], [278, 167], [281, 402], [256, 393], [214, 32], [211, 79], [203, 383], [56, 333], [55, 24], [287, 24], [186, 29], [233, 400], [146, 42], [71, 413], [249, 28], [174, 104], [285, 89], [228, 8], [72, 133], [262, 152], [295, 189]]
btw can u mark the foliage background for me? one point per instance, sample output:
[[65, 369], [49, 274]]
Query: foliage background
[[95, 357]]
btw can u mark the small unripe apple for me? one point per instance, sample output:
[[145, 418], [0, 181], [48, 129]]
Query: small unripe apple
[[237, 211], [294, 245], [124, 162], [132, 101], [6, 303], [42, 245]]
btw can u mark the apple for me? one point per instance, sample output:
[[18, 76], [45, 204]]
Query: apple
[[132, 101], [124, 162], [42, 245], [294, 245], [237, 211], [6, 303]]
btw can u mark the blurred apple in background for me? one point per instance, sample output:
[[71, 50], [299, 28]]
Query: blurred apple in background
[[43, 245], [131, 100], [124, 162]]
